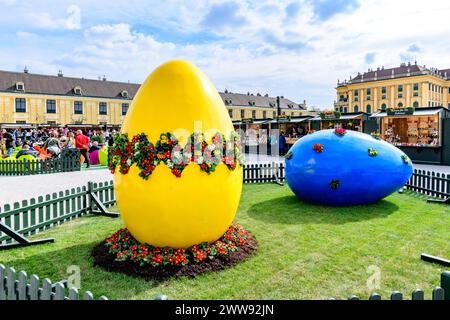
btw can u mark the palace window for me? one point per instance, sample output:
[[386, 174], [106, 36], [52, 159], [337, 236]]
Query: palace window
[[345, 109], [274, 114], [368, 109], [51, 106], [242, 114], [416, 104], [416, 87], [254, 114], [356, 109], [102, 108], [368, 91], [383, 106], [124, 94], [21, 105], [400, 91], [383, 97], [355, 93], [230, 113], [78, 107], [77, 91], [125, 108], [264, 114], [20, 86], [400, 105], [383, 90], [356, 99]]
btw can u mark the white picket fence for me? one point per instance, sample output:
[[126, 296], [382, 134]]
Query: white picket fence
[[18, 286]]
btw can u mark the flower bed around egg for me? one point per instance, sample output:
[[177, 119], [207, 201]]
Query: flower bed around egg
[[121, 252]]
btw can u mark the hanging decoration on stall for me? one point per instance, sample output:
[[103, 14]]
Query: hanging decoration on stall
[[328, 115], [399, 111], [247, 120]]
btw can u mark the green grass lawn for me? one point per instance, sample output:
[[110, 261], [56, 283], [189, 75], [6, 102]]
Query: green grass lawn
[[306, 251]]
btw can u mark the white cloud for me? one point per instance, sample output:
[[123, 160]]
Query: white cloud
[[43, 20], [295, 55]]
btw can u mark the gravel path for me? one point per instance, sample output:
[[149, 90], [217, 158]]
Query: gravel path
[[19, 188]]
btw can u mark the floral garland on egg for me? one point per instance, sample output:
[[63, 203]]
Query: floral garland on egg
[[147, 156]]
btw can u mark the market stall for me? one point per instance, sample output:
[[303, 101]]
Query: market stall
[[423, 134], [293, 128], [254, 133], [356, 121]]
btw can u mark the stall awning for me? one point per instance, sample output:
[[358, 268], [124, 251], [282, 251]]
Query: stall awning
[[292, 120], [416, 112], [16, 125], [238, 123], [342, 117]]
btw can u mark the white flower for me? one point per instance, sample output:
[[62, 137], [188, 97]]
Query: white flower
[[211, 147], [129, 162], [199, 160]]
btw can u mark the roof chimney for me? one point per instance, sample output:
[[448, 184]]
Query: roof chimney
[[104, 78], [60, 74], [25, 70]]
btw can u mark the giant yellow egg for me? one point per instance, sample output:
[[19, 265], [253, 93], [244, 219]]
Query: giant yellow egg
[[166, 210]]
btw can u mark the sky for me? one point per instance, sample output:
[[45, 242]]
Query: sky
[[298, 49]]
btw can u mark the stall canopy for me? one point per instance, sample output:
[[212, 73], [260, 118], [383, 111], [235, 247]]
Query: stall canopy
[[342, 117], [16, 125], [256, 121], [291, 120]]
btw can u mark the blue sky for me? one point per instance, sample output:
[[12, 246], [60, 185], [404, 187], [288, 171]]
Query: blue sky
[[298, 49]]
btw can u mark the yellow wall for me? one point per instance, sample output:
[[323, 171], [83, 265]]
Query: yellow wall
[[425, 97], [36, 107]]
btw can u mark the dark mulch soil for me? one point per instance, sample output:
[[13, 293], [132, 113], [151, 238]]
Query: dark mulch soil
[[105, 260]]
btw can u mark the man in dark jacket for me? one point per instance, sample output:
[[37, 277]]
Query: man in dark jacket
[[9, 142]]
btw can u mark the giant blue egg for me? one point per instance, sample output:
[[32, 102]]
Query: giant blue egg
[[345, 168]]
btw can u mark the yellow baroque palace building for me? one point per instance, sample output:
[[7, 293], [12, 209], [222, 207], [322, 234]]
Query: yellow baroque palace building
[[34, 99], [409, 85]]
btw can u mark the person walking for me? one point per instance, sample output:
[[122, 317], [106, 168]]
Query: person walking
[[82, 143], [9, 142], [282, 143]]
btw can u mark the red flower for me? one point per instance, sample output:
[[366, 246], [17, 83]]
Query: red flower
[[318, 147], [158, 259], [176, 172]]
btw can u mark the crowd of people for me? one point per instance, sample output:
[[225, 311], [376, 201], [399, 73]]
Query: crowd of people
[[49, 142]]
